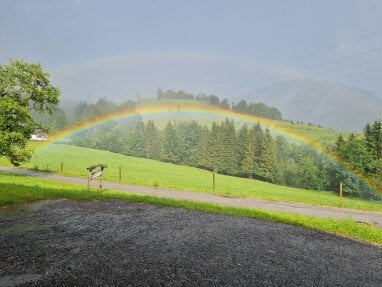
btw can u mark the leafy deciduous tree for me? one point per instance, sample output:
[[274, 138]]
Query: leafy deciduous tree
[[23, 87]]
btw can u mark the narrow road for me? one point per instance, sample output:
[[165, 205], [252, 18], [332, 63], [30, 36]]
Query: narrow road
[[374, 218]]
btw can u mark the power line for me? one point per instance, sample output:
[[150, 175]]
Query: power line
[[310, 54], [270, 80], [350, 67], [345, 58], [335, 70], [358, 73], [354, 39]]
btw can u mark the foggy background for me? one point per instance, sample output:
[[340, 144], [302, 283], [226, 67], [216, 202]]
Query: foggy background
[[317, 61]]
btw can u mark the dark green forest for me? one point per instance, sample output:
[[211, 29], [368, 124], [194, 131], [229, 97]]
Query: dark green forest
[[363, 153], [247, 151], [256, 109]]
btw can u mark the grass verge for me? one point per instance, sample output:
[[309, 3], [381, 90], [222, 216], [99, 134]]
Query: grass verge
[[140, 171], [15, 190]]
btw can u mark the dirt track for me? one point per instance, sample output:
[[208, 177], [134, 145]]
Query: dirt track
[[374, 218], [66, 243]]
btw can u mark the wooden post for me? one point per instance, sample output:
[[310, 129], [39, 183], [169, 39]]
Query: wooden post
[[120, 173], [47, 167], [100, 182], [213, 181], [62, 166], [340, 193], [89, 177]]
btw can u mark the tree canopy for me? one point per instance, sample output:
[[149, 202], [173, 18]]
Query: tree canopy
[[256, 109], [23, 87]]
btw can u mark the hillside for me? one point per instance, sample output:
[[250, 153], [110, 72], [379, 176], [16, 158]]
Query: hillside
[[307, 166], [187, 110], [154, 173], [319, 102]]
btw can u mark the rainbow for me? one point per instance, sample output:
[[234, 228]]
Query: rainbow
[[169, 108]]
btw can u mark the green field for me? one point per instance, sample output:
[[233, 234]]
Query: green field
[[15, 190], [154, 173]]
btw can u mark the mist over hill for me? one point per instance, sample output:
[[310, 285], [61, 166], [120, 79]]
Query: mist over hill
[[319, 102]]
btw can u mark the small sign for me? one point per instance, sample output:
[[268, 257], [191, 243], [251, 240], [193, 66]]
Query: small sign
[[93, 174], [98, 173]]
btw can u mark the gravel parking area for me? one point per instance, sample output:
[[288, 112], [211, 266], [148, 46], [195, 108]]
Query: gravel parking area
[[68, 243]]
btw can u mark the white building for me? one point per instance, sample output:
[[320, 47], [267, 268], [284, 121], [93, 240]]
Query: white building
[[39, 136]]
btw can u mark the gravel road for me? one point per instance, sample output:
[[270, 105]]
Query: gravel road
[[374, 218], [68, 243]]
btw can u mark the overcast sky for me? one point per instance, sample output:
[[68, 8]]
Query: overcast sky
[[227, 48]]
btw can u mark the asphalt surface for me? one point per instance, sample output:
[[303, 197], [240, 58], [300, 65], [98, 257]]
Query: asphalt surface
[[369, 217], [68, 243]]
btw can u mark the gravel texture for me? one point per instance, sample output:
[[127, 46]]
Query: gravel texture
[[68, 243]]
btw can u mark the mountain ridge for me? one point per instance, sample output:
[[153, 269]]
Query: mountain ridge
[[335, 105]]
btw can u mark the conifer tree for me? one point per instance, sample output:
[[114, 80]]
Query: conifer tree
[[377, 138], [351, 137], [284, 160], [229, 159], [258, 147], [242, 142], [134, 144], [248, 162], [203, 151], [268, 156], [189, 134], [170, 144], [339, 143], [151, 141], [216, 148], [368, 134], [373, 139]]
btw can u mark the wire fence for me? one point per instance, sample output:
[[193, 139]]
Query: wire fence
[[209, 182]]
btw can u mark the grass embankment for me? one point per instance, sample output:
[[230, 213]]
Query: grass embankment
[[15, 190], [154, 173]]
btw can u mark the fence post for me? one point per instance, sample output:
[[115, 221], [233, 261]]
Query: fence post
[[62, 166], [213, 180], [340, 193], [89, 175], [120, 173]]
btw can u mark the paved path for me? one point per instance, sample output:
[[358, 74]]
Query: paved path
[[374, 218]]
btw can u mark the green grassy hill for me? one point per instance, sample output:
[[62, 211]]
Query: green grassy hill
[[180, 111], [154, 173]]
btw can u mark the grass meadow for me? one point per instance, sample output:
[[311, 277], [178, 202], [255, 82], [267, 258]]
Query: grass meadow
[[155, 173], [16, 190]]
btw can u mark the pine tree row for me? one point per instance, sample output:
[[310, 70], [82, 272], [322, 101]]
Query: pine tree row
[[246, 151]]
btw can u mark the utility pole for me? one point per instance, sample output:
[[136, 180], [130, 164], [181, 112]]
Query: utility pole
[[138, 97]]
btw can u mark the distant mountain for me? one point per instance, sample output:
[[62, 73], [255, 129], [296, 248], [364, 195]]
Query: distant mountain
[[318, 102]]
